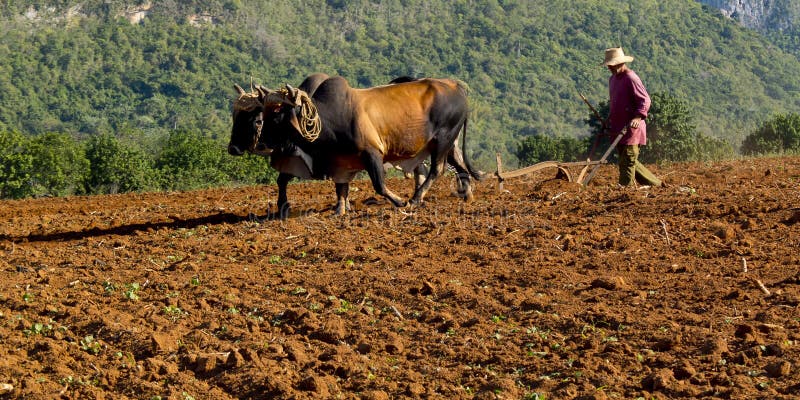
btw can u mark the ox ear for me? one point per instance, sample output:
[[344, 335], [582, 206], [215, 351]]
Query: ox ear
[[239, 89]]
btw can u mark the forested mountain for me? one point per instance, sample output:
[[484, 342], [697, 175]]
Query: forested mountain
[[779, 20], [91, 67]]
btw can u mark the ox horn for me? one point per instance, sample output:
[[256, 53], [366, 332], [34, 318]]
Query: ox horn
[[294, 94], [239, 89]]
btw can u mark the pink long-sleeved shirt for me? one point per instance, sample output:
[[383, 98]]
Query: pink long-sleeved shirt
[[628, 99]]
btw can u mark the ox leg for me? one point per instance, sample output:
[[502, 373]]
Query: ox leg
[[373, 163], [463, 187], [437, 165], [283, 201], [342, 198], [420, 172]]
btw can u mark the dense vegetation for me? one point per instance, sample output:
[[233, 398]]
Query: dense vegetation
[[87, 84]]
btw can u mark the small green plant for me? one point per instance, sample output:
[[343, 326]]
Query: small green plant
[[38, 329], [27, 297], [131, 291], [344, 306], [233, 310], [299, 290], [173, 312], [349, 263], [109, 287], [498, 318], [535, 396], [90, 345], [275, 259], [195, 281]]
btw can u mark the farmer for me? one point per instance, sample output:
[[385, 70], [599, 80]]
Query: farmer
[[628, 105]]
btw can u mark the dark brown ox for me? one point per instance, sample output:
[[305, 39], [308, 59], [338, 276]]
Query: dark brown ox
[[345, 130], [248, 125]]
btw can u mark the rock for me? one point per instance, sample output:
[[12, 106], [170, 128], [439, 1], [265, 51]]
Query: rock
[[376, 395], [715, 346], [610, 283], [6, 388], [333, 330], [427, 289], [205, 364], [778, 369], [684, 371], [235, 360], [163, 342], [660, 380]]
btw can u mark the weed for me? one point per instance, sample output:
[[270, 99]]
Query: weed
[[195, 281], [349, 263], [109, 287], [344, 306], [89, 345], [38, 329], [498, 318], [611, 338], [131, 292], [299, 290], [173, 312], [27, 297], [276, 259], [535, 396], [233, 310]]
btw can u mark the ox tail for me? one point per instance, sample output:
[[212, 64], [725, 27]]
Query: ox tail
[[476, 174]]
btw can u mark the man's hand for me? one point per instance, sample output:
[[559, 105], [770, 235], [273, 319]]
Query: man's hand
[[635, 122]]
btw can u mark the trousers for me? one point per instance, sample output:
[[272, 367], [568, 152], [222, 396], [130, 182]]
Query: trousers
[[631, 170]]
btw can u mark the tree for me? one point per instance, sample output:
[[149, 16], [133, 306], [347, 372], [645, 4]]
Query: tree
[[60, 167], [780, 133], [537, 148], [15, 166], [191, 161], [671, 132], [115, 168]]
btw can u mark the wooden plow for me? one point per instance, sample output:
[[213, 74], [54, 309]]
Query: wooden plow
[[562, 167]]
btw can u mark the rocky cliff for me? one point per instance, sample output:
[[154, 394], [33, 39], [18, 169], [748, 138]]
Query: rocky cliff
[[761, 15]]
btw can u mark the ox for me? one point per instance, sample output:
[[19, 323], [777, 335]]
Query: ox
[[329, 130], [248, 122]]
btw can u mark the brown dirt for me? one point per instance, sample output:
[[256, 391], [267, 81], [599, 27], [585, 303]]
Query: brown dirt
[[544, 289]]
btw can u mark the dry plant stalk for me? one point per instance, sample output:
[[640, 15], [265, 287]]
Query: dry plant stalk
[[762, 287], [664, 225]]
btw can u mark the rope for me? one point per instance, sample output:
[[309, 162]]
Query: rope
[[310, 126], [247, 102]]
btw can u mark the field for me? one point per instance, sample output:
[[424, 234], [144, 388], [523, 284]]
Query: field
[[543, 290]]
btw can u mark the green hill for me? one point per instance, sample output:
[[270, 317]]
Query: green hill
[[85, 68]]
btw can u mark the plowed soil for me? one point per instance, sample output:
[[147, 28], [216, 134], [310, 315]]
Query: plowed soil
[[543, 290]]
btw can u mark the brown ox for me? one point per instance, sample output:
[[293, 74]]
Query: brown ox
[[341, 131]]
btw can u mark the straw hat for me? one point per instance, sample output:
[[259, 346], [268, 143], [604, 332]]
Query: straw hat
[[615, 56]]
